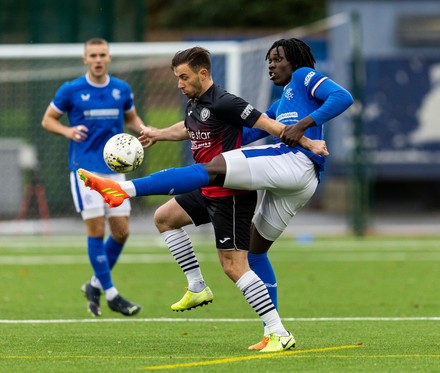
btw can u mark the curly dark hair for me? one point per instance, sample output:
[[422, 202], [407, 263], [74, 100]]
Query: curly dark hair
[[297, 52]]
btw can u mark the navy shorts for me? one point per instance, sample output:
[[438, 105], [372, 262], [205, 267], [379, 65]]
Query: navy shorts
[[230, 216]]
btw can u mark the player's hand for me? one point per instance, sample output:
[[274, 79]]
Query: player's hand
[[146, 136], [291, 135], [78, 133], [318, 147]]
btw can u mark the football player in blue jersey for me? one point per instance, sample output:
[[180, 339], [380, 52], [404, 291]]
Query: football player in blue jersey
[[287, 172], [97, 105], [308, 101]]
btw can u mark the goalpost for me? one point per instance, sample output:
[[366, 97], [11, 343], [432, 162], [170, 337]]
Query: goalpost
[[30, 75], [152, 54]]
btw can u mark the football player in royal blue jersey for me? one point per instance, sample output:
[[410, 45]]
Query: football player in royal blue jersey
[[309, 100], [97, 105]]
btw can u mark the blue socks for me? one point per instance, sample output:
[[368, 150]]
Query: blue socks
[[172, 181], [261, 265], [113, 250], [99, 261]]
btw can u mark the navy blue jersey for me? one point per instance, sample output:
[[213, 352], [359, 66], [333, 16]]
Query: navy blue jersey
[[101, 109], [215, 122]]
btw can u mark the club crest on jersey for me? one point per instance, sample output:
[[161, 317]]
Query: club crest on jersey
[[116, 93], [288, 94], [204, 114], [85, 97]]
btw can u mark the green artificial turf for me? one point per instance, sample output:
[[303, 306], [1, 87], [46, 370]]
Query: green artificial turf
[[368, 305]]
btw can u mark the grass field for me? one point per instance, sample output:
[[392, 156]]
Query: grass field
[[368, 305]]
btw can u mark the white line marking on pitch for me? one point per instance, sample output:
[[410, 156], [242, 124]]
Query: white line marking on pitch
[[37, 260], [73, 321]]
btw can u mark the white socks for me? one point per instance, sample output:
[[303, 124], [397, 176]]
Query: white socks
[[128, 187], [258, 297], [180, 246]]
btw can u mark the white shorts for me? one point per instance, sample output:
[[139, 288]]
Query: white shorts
[[90, 203], [288, 179]]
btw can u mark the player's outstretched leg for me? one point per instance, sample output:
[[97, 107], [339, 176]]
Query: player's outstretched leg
[[92, 294], [112, 192], [192, 300], [119, 304]]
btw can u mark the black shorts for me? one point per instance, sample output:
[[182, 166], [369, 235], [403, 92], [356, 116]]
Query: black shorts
[[230, 216]]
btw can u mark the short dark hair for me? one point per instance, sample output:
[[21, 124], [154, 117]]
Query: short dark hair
[[298, 53], [96, 41], [196, 58]]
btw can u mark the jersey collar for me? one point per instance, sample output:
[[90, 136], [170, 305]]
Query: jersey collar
[[107, 81]]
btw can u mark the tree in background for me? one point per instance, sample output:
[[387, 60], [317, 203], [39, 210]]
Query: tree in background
[[195, 14], [70, 21]]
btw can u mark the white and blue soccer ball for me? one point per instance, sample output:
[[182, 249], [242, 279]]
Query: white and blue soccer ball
[[123, 153]]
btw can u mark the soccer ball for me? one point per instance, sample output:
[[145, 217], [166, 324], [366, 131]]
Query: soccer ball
[[123, 153]]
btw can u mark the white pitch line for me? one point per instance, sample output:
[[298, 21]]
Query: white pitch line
[[146, 320], [36, 260]]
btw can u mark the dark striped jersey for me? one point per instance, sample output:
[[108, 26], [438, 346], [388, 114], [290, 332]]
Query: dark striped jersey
[[215, 122]]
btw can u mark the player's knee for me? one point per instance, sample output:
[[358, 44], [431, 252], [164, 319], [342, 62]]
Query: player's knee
[[119, 228], [163, 219], [216, 169], [170, 216], [121, 235], [159, 219]]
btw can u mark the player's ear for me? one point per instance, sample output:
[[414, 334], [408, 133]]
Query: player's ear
[[203, 73], [84, 60]]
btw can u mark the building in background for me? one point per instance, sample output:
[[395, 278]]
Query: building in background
[[399, 47]]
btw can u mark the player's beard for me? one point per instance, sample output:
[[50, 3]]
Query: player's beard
[[196, 90]]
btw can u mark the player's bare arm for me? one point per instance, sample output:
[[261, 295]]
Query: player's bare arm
[[269, 125], [133, 122], [150, 135], [51, 123]]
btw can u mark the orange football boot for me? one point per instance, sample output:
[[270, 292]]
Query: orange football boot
[[112, 192]]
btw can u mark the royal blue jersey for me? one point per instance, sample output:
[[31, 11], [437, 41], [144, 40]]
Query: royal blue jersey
[[101, 109], [309, 93]]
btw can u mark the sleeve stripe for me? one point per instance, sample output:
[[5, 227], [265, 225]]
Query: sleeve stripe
[[131, 109], [56, 109], [317, 85]]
